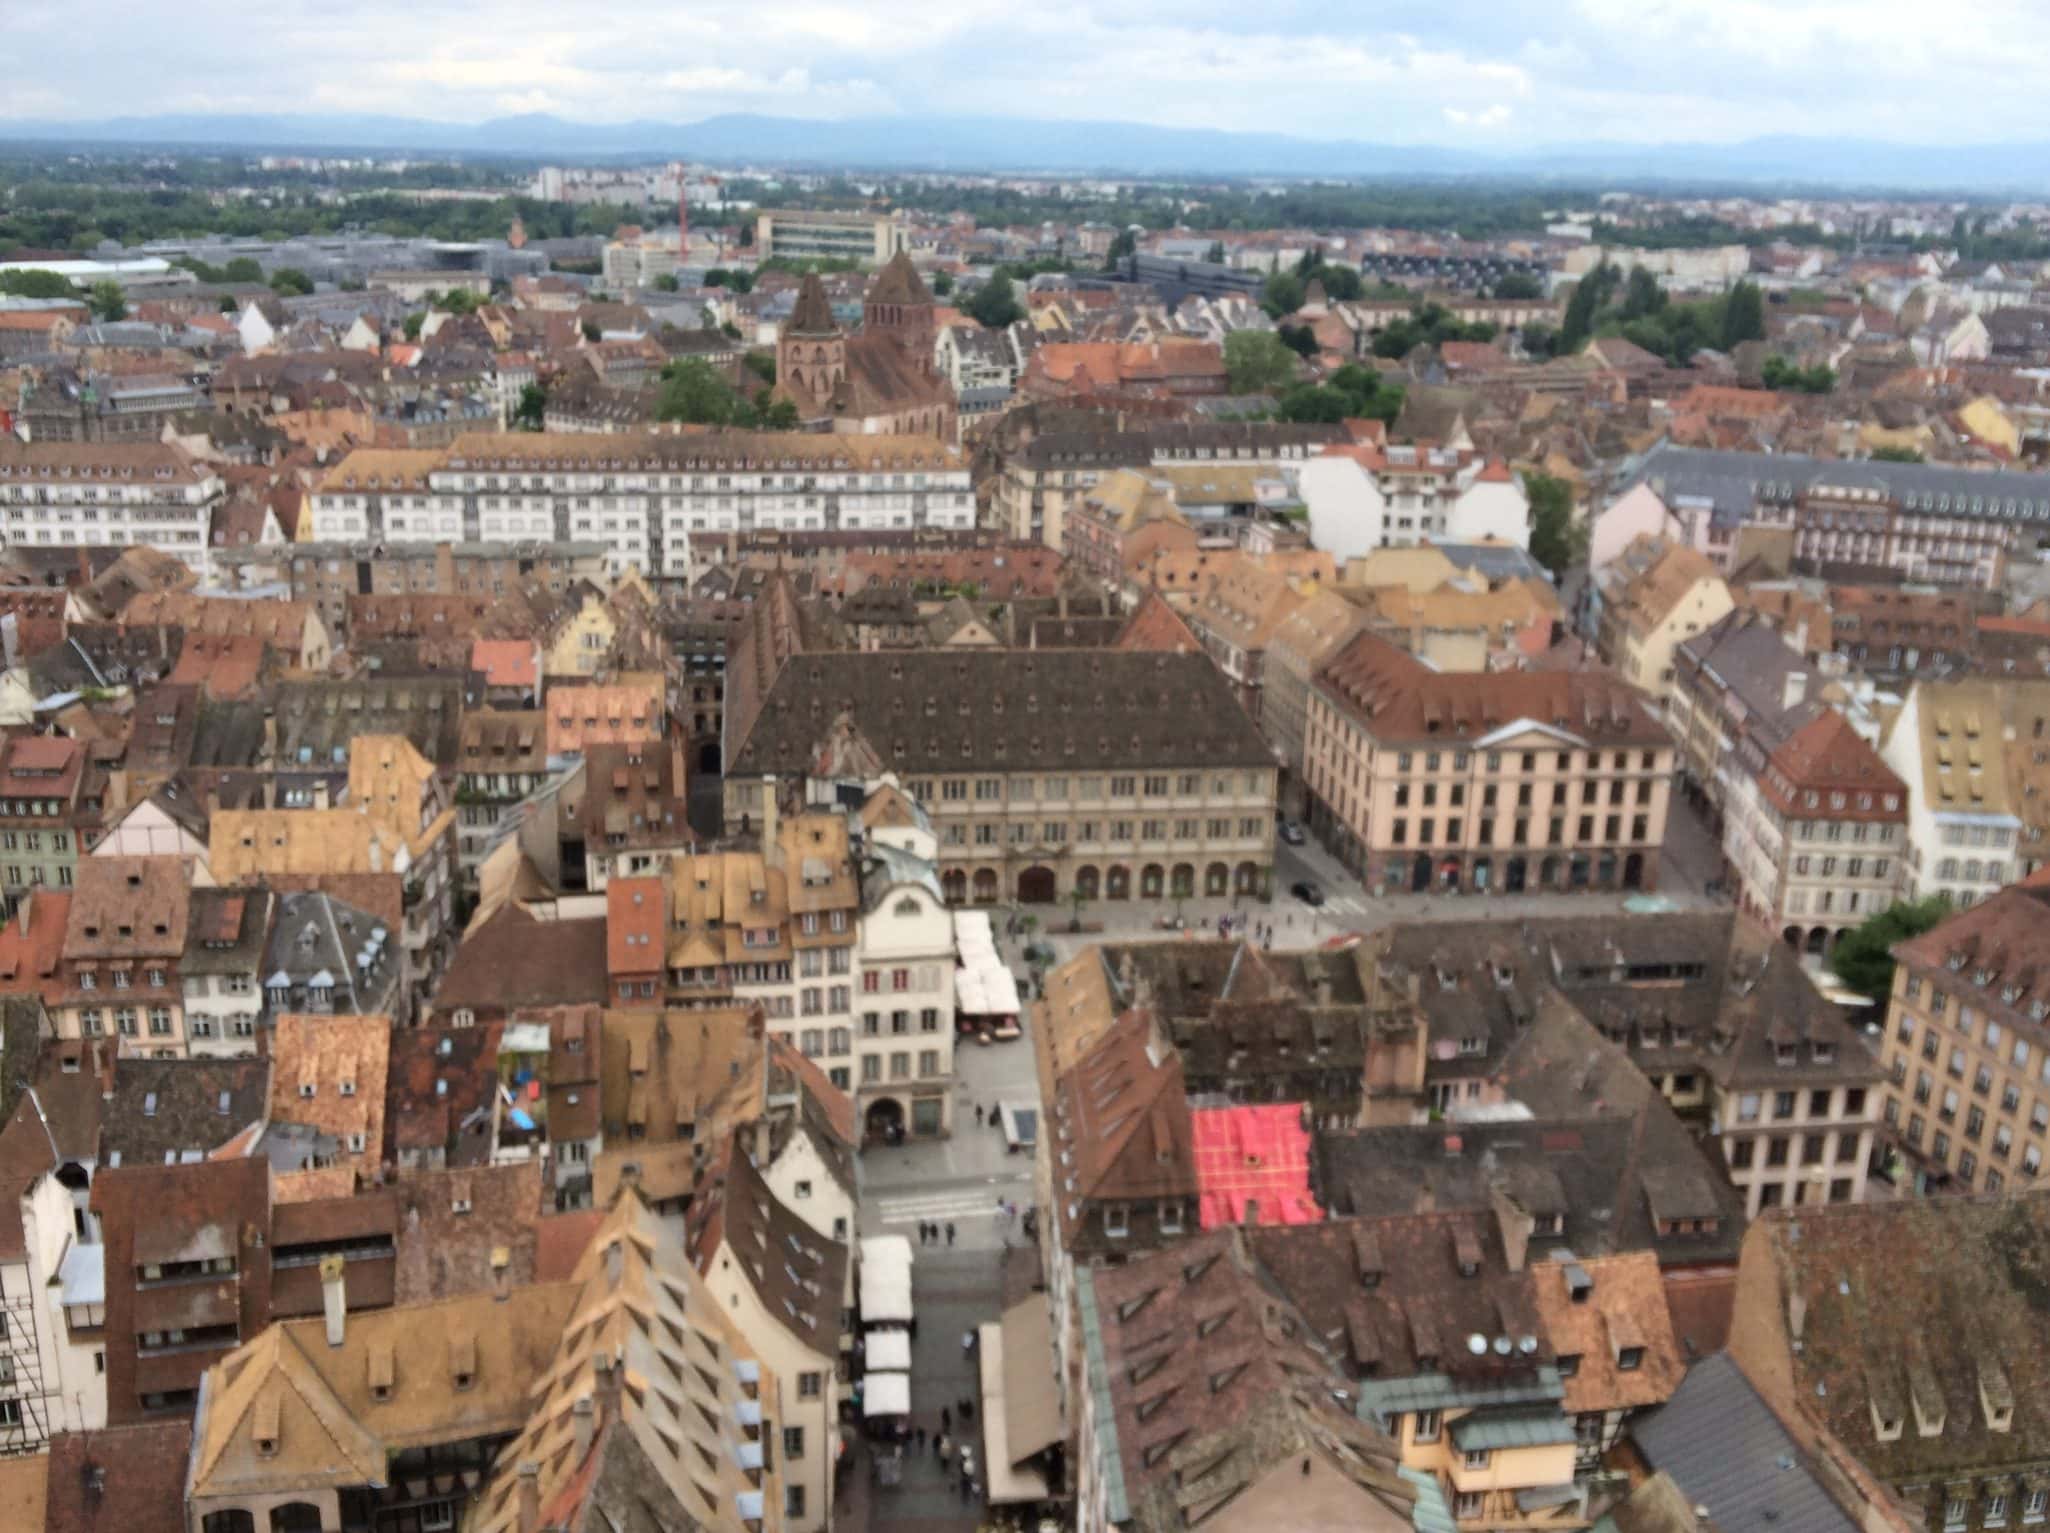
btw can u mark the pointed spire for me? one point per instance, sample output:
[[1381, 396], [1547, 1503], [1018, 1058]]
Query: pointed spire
[[814, 312], [899, 283]]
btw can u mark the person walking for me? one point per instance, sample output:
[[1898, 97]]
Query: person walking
[[941, 1447], [921, 1439], [950, 1232], [978, 1115], [946, 1419]]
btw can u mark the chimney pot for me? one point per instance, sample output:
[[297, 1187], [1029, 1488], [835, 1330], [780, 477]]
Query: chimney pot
[[501, 1273]]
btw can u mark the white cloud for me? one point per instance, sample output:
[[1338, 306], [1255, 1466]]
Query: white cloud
[[1399, 71]]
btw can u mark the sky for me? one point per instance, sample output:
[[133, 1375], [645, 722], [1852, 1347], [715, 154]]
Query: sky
[[1496, 74]]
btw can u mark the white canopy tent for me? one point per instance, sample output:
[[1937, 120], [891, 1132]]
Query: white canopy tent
[[886, 1279], [886, 1394], [887, 1351], [983, 985]]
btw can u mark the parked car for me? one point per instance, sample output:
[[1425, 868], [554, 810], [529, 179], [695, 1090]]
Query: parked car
[[1292, 833], [1308, 893]]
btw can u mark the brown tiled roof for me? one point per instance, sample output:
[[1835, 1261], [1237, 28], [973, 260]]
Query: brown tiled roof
[[1120, 1127], [511, 958], [1826, 756], [437, 1079], [328, 1073], [1626, 1308], [128, 907], [166, 1108], [1398, 699], [1209, 1381], [1922, 1310], [123, 1479], [452, 1223], [679, 1074]]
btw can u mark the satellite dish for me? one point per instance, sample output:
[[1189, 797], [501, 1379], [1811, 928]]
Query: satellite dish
[[1477, 1344], [1501, 1346], [1527, 1345]]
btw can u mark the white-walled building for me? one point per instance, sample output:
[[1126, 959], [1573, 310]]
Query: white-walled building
[[1361, 498], [644, 496], [91, 495], [904, 1040], [53, 1303]]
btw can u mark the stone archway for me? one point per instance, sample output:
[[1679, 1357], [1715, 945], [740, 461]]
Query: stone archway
[[1246, 880], [986, 886], [1036, 886], [1117, 882], [295, 1517], [1182, 881], [1152, 881], [1633, 871], [1792, 937], [1515, 874], [1217, 879], [954, 885], [1548, 873], [1420, 873], [1088, 882], [1818, 941], [884, 1120]]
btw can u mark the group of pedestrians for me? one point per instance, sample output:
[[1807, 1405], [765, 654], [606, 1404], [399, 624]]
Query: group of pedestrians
[[929, 1233]]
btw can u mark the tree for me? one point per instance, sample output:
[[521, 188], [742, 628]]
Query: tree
[[942, 283], [1519, 285], [593, 332], [1122, 244], [1341, 283], [107, 301], [762, 364], [289, 279], [1897, 455], [36, 284], [694, 393], [413, 324], [1257, 362], [1353, 392], [1281, 294], [1215, 254], [732, 278], [1558, 539], [1779, 373], [1863, 957], [532, 409], [1300, 339], [995, 304], [242, 269], [667, 283], [1743, 316], [1642, 295], [1590, 294]]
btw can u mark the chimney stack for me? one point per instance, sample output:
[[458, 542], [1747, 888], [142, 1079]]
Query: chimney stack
[[332, 1302], [615, 1262], [501, 1273], [609, 1372], [530, 1497], [584, 1417]]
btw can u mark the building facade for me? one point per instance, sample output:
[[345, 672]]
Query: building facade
[[646, 497], [1420, 781], [77, 495]]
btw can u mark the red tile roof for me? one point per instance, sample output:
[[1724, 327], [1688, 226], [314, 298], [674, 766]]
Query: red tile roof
[[1253, 1166], [636, 919]]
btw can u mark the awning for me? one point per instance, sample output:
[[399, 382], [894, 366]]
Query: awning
[[1020, 1411], [83, 1275], [886, 1350], [886, 1394], [885, 1290]]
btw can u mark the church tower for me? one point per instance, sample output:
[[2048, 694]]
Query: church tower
[[899, 305], [811, 348]]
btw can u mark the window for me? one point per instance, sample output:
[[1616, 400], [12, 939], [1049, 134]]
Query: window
[[1426, 1427], [1569, 1364], [793, 1442], [1477, 1458], [1629, 1359], [1468, 1504], [809, 1385], [793, 1501]]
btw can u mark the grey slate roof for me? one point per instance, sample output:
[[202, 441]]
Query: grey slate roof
[[1726, 1451], [953, 711], [1731, 482], [1493, 562], [1754, 661], [182, 1108]]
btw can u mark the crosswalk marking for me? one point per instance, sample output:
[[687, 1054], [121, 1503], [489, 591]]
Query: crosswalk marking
[[956, 1206]]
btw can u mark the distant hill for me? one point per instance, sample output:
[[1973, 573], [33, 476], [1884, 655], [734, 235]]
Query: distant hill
[[1022, 144]]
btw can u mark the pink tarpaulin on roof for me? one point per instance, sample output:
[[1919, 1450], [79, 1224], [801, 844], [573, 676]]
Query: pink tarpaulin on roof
[[1253, 1166]]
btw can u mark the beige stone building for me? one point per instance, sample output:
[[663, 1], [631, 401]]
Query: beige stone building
[[1109, 774], [1509, 782], [1298, 648], [1655, 597], [1967, 1048]]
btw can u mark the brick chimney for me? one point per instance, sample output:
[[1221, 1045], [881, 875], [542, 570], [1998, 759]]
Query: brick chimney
[[584, 1416], [530, 1497]]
